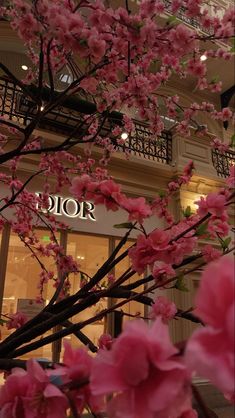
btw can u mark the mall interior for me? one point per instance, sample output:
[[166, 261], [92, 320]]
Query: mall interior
[[149, 169]]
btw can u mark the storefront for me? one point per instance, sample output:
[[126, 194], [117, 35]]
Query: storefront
[[90, 240]]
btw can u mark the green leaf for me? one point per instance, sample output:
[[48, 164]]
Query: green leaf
[[161, 194], [215, 79], [172, 20], [3, 321], [233, 45], [127, 225], [201, 229], [187, 212], [180, 284], [232, 141], [225, 243]]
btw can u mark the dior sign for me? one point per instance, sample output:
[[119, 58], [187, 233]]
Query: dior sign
[[69, 207]]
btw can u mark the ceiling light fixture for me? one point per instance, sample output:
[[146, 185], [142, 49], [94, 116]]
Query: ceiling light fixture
[[24, 67], [124, 135], [203, 57]]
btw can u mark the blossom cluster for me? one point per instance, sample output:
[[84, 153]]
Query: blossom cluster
[[141, 368]]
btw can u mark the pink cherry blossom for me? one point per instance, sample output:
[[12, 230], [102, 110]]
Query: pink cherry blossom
[[17, 320], [164, 308], [13, 394], [210, 350], [44, 400], [210, 253], [137, 208], [78, 365], [214, 203], [160, 268], [29, 394], [142, 369]]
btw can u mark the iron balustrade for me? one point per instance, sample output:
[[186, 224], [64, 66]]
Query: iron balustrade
[[181, 14], [223, 161], [20, 109]]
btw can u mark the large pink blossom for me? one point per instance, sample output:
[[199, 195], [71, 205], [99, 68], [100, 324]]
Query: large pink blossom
[[148, 249], [137, 208], [142, 369], [214, 203], [30, 394], [210, 350], [78, 368]]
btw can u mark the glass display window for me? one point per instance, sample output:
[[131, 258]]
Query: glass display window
[[132, 308], [90, 252], [21, 284]]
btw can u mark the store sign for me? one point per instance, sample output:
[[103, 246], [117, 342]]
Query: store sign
[[29, 307], [69, 207]]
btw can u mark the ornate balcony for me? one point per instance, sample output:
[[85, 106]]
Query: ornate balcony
[[222, 162], [64, 119]]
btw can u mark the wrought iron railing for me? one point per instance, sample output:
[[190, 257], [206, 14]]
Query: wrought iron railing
[[223, 161], [182, 15], [64, 119]]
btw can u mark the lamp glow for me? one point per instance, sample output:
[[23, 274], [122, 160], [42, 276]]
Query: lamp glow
[[24, 67], [203, 57], [124, 135]]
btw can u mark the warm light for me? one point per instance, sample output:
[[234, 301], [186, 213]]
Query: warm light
[[124, 135], [42, 108], [203, 57], [24, 67]]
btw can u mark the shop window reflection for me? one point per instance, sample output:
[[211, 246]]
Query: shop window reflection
[[21, 284], [132, 308], [90, 252]]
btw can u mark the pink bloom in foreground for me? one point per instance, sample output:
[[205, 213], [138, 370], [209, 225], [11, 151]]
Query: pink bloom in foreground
[[13, 394], [164, 308], [31, 395], [142, 369], [210, 350], [78, 366]]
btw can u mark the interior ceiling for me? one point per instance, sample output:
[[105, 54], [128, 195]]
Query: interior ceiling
[[12, 54]]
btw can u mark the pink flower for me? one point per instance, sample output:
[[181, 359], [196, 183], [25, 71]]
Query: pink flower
[[97, 47], [196, 68], [142, 369], [148, 249], [210, 253], [89, 84], [17, 320], [160, 268], [137, 208], [164, 308], [214, 203], [78, 364], [31, 395], [210, 350], [83, 187], [13, 394]]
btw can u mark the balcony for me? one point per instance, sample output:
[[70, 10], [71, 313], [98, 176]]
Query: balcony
[[222, 162], [20, 109]]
